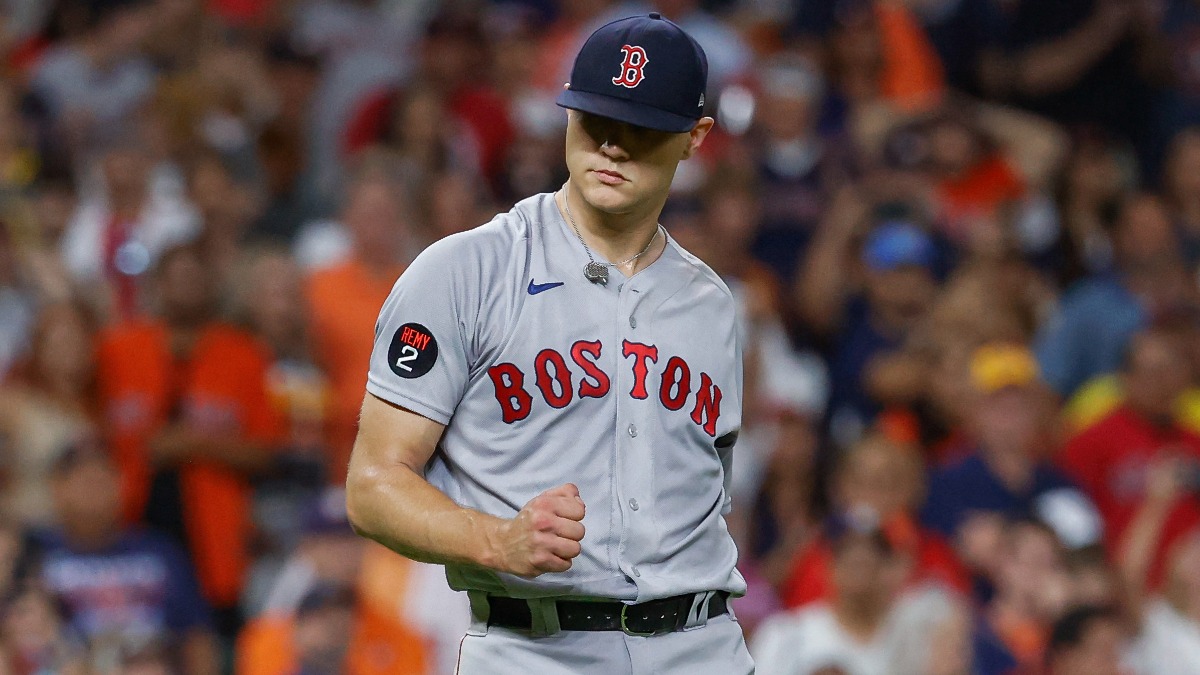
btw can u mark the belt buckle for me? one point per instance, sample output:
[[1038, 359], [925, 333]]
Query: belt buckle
[[625, 626]]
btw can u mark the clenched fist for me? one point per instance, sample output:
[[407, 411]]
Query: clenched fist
[[544, 537]]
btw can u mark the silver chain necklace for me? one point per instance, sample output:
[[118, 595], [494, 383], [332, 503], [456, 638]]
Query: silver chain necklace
[[594, 271]]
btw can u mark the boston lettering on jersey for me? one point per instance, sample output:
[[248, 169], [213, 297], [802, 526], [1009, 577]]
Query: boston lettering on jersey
[[553, 378]]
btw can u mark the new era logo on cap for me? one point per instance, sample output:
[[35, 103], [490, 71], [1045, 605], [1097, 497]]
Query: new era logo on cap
[[623, 55]]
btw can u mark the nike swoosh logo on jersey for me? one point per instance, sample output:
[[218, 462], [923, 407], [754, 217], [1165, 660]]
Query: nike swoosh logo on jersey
[[534, 289]]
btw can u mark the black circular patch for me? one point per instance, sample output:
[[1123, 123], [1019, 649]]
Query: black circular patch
[[413, 351]]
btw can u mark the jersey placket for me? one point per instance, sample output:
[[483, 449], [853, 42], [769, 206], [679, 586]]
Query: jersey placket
[[634, 461]]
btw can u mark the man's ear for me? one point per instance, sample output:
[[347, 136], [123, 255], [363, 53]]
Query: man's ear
[[697, 135]]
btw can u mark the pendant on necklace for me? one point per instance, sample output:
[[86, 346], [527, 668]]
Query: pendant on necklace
[[596, 273]]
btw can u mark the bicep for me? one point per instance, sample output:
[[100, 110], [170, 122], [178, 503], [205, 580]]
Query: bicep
[[389, 435]]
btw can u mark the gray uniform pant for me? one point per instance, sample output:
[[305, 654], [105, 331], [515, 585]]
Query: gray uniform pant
[[715, 648]]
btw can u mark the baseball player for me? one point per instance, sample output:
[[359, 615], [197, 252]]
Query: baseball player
[[554, 396]]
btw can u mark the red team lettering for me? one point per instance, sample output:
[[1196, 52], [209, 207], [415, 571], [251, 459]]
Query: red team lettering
[[640, 352], [708, 405], [554, 381], [631, 67], [676, 377], [599, 387], [416, 338], [546, 381], [515, 402]]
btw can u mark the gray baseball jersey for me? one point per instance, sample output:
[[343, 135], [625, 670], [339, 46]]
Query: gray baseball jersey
[[632, 391]]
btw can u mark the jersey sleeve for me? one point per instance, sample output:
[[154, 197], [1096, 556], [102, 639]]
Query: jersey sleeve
[[422, 356]]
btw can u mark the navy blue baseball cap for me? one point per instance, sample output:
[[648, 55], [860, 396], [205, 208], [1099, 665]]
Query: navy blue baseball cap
[[643, 70]]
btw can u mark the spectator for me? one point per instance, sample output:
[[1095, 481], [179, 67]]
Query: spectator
[[1098, 175], [785, 514], [344, 300], [418, 127], [1087, 641], [46, 407], [925, 387], [362, 46], [801, 166], [392, 629], [865, 628], [1112, 458], [272, 306], [294, 195], [896, 291], [119, 230], [226, 208], [91, 85], [120, 586], [451, 59], [324, 625], [878, 477], [1032, 590], [185, 397], [1095, 320], [1169, 620], [1007, 474]]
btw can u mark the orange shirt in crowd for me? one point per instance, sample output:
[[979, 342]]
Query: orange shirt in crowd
[[382, 642], [913, 77], [345, 301], [380, 645], [223, 392]]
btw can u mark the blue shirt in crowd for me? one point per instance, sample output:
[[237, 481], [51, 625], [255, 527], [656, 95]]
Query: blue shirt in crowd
[[1088, 335], [969, 486], [142, 587]]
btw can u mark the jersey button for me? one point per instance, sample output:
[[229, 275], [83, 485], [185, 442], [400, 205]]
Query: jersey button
[[632, 322], [633, 504], [636, 572], [632, 431]]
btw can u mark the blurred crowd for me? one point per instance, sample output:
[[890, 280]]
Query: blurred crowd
[[964, 237]]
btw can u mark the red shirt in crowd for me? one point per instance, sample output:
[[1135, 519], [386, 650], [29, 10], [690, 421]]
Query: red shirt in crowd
[[1110, 459], [811, 576]]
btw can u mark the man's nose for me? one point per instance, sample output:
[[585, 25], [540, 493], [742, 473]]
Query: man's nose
[[613, 148]]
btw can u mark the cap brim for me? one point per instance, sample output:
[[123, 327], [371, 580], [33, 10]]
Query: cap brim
[[637, 114]]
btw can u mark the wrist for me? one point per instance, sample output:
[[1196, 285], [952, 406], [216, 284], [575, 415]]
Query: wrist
[[490, 530]]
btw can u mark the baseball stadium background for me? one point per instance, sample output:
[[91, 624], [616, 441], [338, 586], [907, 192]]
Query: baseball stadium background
[[964, 237]]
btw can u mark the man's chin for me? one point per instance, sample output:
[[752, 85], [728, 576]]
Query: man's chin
[[612, 200]]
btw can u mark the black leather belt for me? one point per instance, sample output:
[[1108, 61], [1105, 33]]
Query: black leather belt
[[655, 617]]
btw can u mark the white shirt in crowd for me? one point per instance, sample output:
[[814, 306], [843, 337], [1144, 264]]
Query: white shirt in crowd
[[804, 641], [1169, 643]]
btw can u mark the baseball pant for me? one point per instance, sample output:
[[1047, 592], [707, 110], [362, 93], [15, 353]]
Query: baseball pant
[[715, 648]]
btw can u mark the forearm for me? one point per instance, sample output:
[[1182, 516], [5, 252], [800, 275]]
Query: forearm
[[1055, 65], [822, 287], [1138, 546], [398, 508]]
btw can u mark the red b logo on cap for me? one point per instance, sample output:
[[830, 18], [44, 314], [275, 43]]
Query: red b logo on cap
[[631, 68]]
